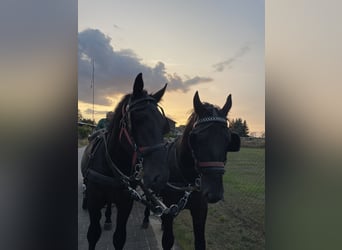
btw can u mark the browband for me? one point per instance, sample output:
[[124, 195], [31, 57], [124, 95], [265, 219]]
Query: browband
[[211, 119], [131, 104]]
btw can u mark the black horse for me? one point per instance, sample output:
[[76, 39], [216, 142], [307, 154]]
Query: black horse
[[196, 161], [131, 152], [108, 210]]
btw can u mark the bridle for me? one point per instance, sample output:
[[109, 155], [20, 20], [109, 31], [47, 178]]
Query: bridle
[[148, 197], [126, 131], [200, 125], [200, 166]]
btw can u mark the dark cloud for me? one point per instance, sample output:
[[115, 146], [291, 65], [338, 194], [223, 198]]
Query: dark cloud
[[219, 67], [115, 71], [90, 112]]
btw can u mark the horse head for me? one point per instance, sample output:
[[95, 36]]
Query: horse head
[[142, 126], [210, 139]]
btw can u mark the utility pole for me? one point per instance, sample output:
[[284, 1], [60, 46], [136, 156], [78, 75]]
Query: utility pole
[[93, 85]]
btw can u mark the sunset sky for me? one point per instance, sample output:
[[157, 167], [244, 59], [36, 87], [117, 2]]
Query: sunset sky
[[215, 47]]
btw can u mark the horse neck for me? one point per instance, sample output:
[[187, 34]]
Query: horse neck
[[117, 152]]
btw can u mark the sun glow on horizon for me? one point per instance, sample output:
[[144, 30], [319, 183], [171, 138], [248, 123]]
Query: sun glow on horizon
[[177, 106], [216, 56]]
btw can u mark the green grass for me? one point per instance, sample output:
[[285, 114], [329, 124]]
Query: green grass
[[238, 221], [82, 142]]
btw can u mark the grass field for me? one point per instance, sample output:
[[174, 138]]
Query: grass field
[[82, 142], [238, 221]]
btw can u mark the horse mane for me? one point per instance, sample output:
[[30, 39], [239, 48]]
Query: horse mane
[[114, 123], [190, 123]]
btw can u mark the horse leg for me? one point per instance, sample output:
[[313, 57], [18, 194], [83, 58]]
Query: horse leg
[[95, 203], [168, 237], [94, 230], [124, 208], [199, 217], [108, 214], [84, 201], [146, 220]]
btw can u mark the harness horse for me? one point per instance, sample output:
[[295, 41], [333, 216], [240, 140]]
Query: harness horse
[[196, 162], [130, 153]]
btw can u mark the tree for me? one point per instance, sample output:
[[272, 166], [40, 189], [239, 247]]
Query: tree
[[83, 130], [246, 129], [240, 127], [263, 134], [79, 115]]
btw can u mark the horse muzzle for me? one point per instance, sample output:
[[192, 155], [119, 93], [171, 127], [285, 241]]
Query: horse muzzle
[[214, 197], [212, 187]]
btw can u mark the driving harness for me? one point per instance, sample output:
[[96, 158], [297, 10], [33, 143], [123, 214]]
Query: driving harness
[[99, 140]]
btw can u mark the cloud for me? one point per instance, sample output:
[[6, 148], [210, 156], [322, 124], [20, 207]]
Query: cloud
[[90, 112], [115, 71], [219, 67]]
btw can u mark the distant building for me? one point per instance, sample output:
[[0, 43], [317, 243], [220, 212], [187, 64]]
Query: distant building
[[86, 124]]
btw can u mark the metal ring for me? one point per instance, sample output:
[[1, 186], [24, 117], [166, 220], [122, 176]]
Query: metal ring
[[174, 209], [157, 211], [198, 183]]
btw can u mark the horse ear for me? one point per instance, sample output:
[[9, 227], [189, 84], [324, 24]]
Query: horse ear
[[198, 105], [138, 84], [225, 109], [159, 94]]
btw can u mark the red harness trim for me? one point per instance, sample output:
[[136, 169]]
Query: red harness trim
[[124, 130], [142, 149]]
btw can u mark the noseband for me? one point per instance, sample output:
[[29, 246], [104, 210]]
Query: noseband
[[207, 165], [126, 130]]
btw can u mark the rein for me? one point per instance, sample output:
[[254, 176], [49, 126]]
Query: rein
[[148, 197]]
